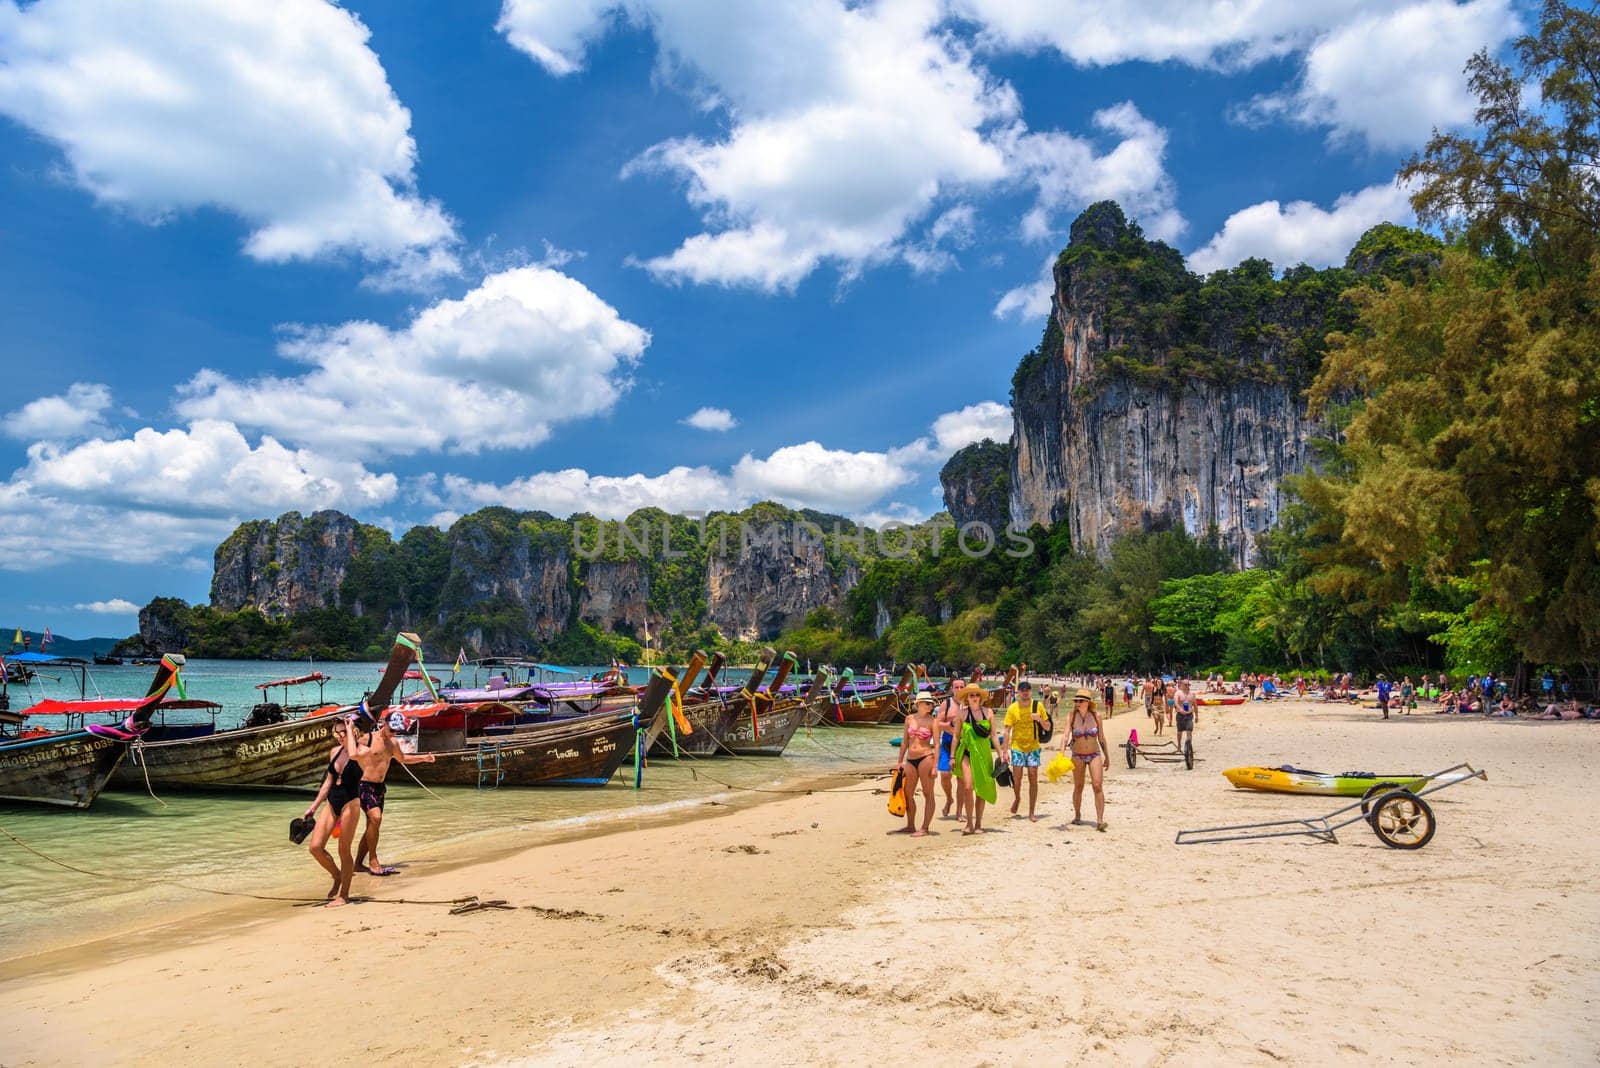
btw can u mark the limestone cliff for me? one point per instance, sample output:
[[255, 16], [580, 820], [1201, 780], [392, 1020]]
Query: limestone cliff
[[509, 579], [164, 626], [286, 566], [1157, 396], [616, 597], [769, 576], [977, 485]]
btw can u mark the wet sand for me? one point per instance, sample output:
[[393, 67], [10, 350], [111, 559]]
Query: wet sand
[[800, 932]]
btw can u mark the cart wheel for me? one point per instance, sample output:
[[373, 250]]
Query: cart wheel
[[1188, 753], [1402, 820], [1373, 792], [1133, 753]]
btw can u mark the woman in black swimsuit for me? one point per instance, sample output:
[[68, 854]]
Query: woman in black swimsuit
[[918, 758], [341, 788]]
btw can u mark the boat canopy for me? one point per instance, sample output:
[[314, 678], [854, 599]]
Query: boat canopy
[[298, 680], [520, 662], [416, 676], [53, 707], [43, 658]]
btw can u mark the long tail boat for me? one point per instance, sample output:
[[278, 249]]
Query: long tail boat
[[819, 699], [576, 751], [70, 769], [880, 705], [283, 756], [767, 721], [660, 719], [709, 715]]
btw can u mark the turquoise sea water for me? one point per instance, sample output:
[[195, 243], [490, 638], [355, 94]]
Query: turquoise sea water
[[140, 848]]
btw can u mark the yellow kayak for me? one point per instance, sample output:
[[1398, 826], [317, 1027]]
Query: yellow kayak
[[1288, 779]]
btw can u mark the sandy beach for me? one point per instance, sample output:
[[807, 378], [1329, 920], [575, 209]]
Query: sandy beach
[[799, 931]]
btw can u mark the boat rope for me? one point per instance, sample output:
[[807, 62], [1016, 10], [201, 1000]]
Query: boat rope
[[424, 785], [136, 754]]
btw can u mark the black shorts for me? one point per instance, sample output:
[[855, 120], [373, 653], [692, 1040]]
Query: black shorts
[[1383, 704], [372, 796], [1186, 721]]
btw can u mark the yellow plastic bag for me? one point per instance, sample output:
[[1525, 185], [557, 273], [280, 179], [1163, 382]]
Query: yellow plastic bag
[[897, 793], [1060, 767]]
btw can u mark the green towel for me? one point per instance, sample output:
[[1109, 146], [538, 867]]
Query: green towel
[[978, 752]]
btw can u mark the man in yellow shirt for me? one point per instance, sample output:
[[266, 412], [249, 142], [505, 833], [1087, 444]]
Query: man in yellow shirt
[[1026, 721]]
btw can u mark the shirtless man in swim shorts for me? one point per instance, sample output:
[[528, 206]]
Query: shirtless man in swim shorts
[[372, 753], [1186, 714], [372, 799]]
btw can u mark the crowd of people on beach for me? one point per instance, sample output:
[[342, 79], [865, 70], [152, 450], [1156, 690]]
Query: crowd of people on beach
[[954, 742]]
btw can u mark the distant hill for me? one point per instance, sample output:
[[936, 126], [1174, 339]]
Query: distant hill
[[59, 646]]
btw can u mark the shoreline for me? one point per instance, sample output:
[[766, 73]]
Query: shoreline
[[215, 907], [704, 937]]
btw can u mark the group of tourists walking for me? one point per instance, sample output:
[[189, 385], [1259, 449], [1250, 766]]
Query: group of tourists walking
[[957, 740]]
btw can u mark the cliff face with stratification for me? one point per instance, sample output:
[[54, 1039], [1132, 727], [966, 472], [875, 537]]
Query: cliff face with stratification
[[287, 565], [759, 586], [1159, 397], [501, 581]]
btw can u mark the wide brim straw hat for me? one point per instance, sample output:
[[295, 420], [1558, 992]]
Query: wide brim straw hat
[[1084, 695], [923, 699], [970, 690]]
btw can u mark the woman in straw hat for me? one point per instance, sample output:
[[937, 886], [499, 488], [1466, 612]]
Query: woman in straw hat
[[972, 758], [1091, 753]]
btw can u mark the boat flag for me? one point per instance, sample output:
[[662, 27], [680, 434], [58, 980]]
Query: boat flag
[[46, 639], [16, 639], [461, 660]]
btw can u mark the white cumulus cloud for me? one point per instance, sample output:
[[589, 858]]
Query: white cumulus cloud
[[1196, 32], [566, 492], [849, 126], [207, 468], [1391, 77], [806, 475], [527, 349], [1070, 174], [1301, 232], [279, 113], [715, 419], [78, 413], [117, 606], [976, 422], [158, 495]]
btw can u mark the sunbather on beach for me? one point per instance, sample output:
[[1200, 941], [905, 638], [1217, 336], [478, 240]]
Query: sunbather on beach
[[1568, 709]]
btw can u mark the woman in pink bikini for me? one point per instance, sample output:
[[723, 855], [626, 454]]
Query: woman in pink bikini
[[918, 758]]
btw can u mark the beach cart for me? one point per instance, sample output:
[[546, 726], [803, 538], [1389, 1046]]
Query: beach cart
[[1166, 752], [1398, 816]]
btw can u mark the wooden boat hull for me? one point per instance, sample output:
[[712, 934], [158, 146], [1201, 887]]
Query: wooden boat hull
[[872, 710], [583, 751], [279, 756], [711, 721], [68, 770], [769, 732], [822, 711]]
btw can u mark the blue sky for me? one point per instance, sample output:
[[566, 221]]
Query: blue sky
[[408, 259]]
